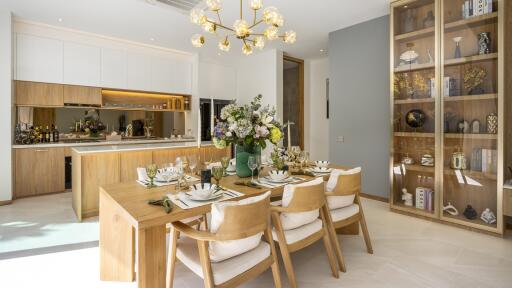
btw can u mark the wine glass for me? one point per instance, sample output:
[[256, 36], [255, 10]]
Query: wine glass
[[217, 173], [258, 163], [305, 158], [300, 159], [252, 164], [192, 163], [151, 171], [224, 161]]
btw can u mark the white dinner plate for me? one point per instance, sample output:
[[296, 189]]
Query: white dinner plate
[[285, 180], [318, 170], [191, 196]]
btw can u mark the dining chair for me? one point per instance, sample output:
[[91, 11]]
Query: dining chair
[[300, 221], [343, 199], [232, 252]]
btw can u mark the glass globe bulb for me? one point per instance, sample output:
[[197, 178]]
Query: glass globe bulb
[[241, 28], [197, 40], [290, 37], [197, 16], [271, 33], [270, 14], [259, 42], [209, 27], [247, 49], [278, 20], [214, 5], [256, 4], [224, 45]]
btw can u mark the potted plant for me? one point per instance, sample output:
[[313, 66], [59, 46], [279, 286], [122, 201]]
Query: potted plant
[[248, 127]]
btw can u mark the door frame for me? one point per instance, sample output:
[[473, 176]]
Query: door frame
[[300, 62]]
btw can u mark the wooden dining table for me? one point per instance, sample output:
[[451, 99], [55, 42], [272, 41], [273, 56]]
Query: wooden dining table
[[133, 233]]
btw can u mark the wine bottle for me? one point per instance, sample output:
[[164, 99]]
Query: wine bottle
[[56, 134], [51, 133], [47, 134]]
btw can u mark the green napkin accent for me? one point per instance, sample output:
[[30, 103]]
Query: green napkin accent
[[247, 183], [164, 202]]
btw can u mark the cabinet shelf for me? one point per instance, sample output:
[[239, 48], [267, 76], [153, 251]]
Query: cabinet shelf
[[471, 136], [417, 168], [414, 134], [414, 67], [471, 97], [414, 101], [477, 20], [475, 223], [415, 34], [412, 210], [471, 174], [470, 59]]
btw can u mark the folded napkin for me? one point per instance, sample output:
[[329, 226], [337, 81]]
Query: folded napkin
[[141, 174], [247, 183]]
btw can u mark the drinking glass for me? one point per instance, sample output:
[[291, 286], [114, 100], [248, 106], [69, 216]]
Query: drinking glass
[[151, 171], [300, 159], [217, 173], [252, 164], [258, 163], [224, 161], [192, 163]]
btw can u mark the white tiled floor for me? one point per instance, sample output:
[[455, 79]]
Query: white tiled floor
[[409, 252]]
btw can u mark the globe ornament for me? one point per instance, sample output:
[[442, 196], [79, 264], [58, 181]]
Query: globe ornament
[[415, 118]]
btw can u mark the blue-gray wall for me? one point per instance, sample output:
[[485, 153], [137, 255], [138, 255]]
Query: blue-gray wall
[[359, 101]]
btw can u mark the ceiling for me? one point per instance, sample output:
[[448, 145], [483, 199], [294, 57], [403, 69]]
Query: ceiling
[[155, 24]]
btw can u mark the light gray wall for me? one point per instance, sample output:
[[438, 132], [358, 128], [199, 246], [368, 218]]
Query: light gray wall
[[6, 105], [359, 101]]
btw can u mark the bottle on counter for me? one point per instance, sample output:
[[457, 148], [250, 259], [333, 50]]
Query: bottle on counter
[[51, 133], [47, 134], [56, 134]]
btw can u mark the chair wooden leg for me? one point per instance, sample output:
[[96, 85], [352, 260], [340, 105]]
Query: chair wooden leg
[[330, 255], [205, 263], [285, 254], [366, 235], [334, 240], [205, 221], [171, 258], [276, 274]]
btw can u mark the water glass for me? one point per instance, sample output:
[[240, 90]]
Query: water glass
[[252, 163], [224, 161], [217, 173]]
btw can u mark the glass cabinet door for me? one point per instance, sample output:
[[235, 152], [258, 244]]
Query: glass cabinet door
[[414, 98], [470, 94]]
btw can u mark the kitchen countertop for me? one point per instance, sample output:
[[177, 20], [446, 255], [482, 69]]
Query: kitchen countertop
[[132, 147], [104, 143]]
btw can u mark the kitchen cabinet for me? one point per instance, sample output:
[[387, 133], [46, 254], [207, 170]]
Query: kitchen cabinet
[[507, 202], [38, 59], [38, 94], [171, 75], [113, 68], [82, 64], [130, 161], [138, 71], [38, 171], [82, 95]]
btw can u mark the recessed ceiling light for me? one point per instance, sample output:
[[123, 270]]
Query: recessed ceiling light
[[405, 6], [218, 54], [322, 50], [60, 19], [152, 39]]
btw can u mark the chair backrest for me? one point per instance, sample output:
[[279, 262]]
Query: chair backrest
[[348, 184], [307, 198], [242, 221]]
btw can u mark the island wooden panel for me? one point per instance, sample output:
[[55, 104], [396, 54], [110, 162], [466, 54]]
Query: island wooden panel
[[38, 171], [130, 161], [82, 95], [39, 94]]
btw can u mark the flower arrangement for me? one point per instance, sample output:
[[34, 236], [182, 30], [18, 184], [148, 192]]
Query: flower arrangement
[[93, 127], [248, 125]]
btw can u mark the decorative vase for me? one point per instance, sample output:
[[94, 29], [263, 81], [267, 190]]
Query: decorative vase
[[492, 123], [429, 21], [484, 43], [242, 153]]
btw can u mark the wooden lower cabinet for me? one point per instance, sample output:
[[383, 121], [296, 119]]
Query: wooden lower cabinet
[[130, 161], [39, 171]]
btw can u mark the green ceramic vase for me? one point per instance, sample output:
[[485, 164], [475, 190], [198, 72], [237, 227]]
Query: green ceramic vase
[[242, 153]]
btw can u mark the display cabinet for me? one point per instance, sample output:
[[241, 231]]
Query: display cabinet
[[447, 107]]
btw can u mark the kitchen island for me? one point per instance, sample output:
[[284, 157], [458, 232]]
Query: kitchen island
[[97, 166]]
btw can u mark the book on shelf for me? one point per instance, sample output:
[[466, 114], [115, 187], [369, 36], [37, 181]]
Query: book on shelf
[[489, 161], [424, 198], [432, 88], [476, 160], [471, 8]]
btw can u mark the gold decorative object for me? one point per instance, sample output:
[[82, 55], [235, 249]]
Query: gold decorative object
[[241, 29], [492, 123], [474, 76]]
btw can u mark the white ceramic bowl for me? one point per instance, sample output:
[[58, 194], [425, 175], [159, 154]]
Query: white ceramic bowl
[[322, 164], [205, 192], [322, 169], [278, 175]]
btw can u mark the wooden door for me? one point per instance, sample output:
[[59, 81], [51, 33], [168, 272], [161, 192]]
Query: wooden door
[[39, 94], [130, 161], [82, 95], [39, 171]]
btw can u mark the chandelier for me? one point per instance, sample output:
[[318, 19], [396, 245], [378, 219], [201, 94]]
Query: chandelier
[[241, 29]]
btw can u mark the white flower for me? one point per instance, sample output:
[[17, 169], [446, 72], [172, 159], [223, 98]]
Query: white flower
[[261, 131], [267, 120], [229, 134]]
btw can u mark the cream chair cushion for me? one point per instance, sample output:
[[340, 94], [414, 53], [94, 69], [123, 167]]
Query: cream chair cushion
[[344, 213], [294, 220], [302, 232], [223, 271], [335, 202], [222, 250]]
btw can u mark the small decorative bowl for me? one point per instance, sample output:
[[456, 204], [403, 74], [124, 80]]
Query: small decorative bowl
[[322, 164], [205, 192], [278, 175]]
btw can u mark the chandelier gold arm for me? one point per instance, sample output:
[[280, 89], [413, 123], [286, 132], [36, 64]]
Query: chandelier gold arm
[[255, 23], [218, 16], [241, 5], [220, 25]]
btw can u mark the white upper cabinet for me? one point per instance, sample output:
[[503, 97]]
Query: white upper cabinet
[[38, 59], [113, 68], [171, 75], [82, 64], [138, 71], [217, 81]]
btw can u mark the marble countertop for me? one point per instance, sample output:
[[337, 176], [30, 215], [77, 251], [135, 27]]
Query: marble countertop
[[131, 147], [104, 143]]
